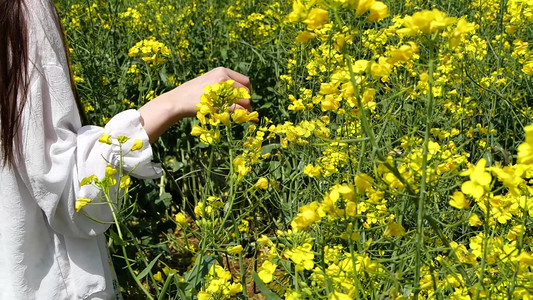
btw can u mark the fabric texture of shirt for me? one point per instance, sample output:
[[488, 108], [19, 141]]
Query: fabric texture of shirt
[[47, 249]]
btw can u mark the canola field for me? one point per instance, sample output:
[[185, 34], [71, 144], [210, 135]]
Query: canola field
[[392, 159]]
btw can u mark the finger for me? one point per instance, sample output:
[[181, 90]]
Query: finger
[[238, 106], [239, 85], [223, 74], [235, 107], [245, 103], [239, 78]]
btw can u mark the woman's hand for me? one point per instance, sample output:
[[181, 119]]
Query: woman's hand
[[163, 111], [188, 94]]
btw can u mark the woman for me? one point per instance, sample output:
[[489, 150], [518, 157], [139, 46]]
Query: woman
[[47, 250]]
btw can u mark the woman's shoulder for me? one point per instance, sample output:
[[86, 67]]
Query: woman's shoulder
[[45, 35], [42, 4], [41, 17]]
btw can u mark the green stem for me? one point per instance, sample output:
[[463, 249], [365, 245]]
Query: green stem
[[422, 194], [241, 263], [354, 266], [231, 193], [486, 228], [117, 224], [130, 269]]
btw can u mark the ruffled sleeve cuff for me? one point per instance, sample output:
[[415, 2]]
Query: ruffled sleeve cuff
[[136, 151], [97, 147]]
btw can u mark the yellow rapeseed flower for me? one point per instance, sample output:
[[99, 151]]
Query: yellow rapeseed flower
[[293, 295], [462, 28], [404, 53], [262, 183], [122, 139], [474, 220], [210, 137], [394, 229], [137, 145], [197, 130], [266, 271], [312, 171], [159, 277], [242, 115], [305, 36], [150, 50], [105, 138], [110, 171], [459, 201], [363, 182], [378, 11], [199, 209], [306, 217], [239, 163], [525, 258], [81, 203], [181, 219], [339, 296], [316, 18], [125, 181], [88, 180], [235, 249], [298, 13], [380, 69], [525, 150], [363, 6], [302, 256], [204, 296], [479, 180], [244, 226], [425, 21], [528, 68]]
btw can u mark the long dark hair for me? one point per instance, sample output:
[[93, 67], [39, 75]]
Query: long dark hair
[[14, 78]]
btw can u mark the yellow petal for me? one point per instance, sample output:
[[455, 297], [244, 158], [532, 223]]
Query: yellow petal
[[80, 203], [137, 145], [105, 138], [472, 189], [459, 201]]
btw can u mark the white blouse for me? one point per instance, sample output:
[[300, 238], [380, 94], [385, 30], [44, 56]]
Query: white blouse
[[47, 249]]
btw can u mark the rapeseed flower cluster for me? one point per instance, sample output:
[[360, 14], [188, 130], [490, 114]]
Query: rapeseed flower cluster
[[346, 90], [254, 24], [214, 110], [150, 51], [391, 169], [219, 285]]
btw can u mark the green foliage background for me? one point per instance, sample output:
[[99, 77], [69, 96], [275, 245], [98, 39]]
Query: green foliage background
[[254, 38]]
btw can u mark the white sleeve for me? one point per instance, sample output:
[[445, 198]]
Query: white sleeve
[[58, 154]]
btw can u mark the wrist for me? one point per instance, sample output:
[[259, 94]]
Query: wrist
[[178, 103], [170, 106], [158, 115]]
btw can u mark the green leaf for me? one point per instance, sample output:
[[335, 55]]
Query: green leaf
[[182, 291], [116, 239], [165, 198], [224, 52], [269, 148], [173, 164], [148, 268], [199, 271], [264, 289], [163, 292]]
